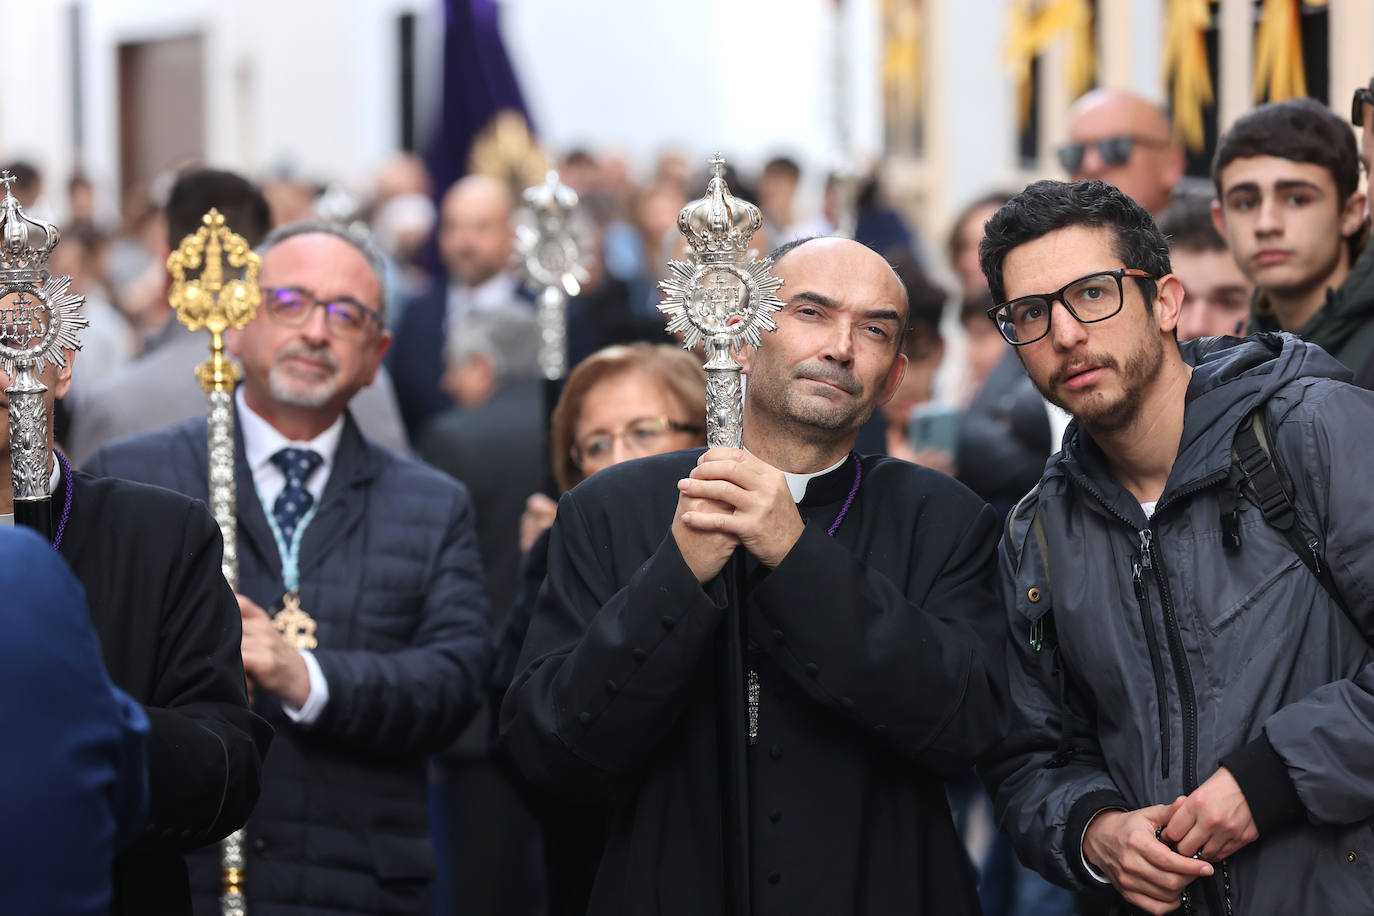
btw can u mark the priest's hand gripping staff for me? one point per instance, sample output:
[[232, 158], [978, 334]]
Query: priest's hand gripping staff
[[38, 323], [212, 302], [721, 298]]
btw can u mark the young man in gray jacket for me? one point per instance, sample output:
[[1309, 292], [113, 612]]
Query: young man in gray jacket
[[1194, 708]]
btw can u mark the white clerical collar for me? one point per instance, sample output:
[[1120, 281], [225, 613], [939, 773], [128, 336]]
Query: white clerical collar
[[261, 441], [797, 482], [7, 521]]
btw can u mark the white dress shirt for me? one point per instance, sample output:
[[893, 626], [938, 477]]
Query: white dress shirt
[[496, 292], [260, 442]]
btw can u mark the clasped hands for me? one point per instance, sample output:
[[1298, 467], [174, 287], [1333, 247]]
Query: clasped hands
[[732, 498], [1133, 847]]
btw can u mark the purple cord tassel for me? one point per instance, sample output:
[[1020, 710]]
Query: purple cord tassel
[[67, 503], [844, 510]]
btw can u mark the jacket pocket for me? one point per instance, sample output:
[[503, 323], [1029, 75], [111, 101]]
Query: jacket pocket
[[1268, 589], [402, 858]]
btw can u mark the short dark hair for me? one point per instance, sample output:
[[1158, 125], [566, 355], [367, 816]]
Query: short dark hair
[[1300, 130], [785, 165], [954, 245], [28, 180], [1047, 206], [1187, 224], [196, 190]]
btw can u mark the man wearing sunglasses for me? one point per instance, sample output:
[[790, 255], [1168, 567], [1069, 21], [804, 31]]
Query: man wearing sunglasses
[[1193, 706], [1125, 140], [1289, 203], [378, 550]]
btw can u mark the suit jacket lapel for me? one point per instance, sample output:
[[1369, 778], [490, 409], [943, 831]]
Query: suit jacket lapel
[[344, 499]]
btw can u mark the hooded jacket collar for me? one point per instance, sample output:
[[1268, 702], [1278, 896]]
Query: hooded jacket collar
[[1231, 377]]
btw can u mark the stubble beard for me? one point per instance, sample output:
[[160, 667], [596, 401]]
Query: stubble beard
[[1097, 414], [781, 398]]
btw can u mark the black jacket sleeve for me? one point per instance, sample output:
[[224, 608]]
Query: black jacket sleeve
[[415, 700], [205, 747], [605, 671]]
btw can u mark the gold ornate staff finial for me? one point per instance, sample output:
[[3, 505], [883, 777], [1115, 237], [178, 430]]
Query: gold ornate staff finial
[[209, 301], [213, 303]]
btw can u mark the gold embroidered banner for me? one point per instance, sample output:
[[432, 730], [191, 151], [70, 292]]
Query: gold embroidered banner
[[1185, 67], [1032, 27], [1278, 51]]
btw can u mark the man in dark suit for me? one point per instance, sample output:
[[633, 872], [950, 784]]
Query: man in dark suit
[[476, 242], [158, 389], [373, 554], [494, 442], [168, 625]]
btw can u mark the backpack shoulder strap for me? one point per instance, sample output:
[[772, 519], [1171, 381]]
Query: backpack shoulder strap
[[1255, 466]]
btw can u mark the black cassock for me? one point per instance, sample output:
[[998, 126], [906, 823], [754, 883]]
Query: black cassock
[[877, 655], [170, 634]]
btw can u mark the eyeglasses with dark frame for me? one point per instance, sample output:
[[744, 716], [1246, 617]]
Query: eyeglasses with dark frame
[[293, 306], [1362, 98], [641, 437], [1113, 150], [1090, 299]]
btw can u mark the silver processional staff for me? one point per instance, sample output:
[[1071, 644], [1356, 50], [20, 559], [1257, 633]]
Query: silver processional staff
[[39, 319]]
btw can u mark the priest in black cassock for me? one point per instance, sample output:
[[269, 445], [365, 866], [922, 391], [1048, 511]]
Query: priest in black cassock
[[169, 629], [866, 588]]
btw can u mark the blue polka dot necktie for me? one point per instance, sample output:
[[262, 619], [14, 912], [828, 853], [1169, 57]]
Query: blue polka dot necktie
[[294, 501]]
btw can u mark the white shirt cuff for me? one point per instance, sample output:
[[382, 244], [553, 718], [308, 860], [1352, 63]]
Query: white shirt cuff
[[1091, 869], [314, 704]]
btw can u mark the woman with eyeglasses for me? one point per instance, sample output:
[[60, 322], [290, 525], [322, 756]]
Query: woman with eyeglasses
[[622, 402]]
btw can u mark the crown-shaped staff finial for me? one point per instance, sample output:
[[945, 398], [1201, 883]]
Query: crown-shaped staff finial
[[719, 225]]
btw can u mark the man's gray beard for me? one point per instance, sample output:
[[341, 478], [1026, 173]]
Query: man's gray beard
[[300, 394]]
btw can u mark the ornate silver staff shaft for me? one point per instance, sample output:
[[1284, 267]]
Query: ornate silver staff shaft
[[551, 256], [38, 323], [720, 297], [723, 299], [216, 304]]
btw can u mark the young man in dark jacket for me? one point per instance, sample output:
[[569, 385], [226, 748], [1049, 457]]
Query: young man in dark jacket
[[1193, 716], [1290, 206]]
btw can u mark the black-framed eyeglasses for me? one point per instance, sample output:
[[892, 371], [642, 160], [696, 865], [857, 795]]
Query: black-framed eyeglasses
[[293, 306], [641, 437], [1362, 98], [1095, 297], [1113, 150]]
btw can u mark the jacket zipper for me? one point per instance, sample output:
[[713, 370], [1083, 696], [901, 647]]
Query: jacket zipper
[[1186, 695], [1144, 561]]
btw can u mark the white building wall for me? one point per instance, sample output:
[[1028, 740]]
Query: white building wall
[[313, 83]]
